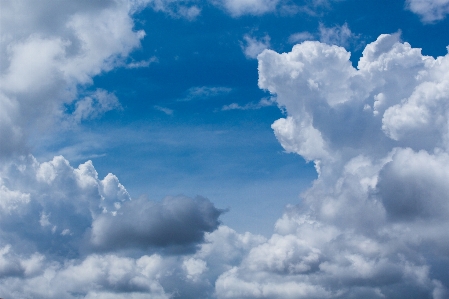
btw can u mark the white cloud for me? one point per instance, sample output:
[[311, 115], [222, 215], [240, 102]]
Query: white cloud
[[43, 201], [338, 35], [176, 8], [300, 37], [373, 225], [204, 92], [93, 106], [252, 46], [429, 10], [250, 106], [237, 8], [166, 110], [141, 63], [56, 48]]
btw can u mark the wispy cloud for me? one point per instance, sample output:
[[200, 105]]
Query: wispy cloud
[[204, 92], [300, 37], [252, 46], [141, 63], [250, 106], [166, 110]]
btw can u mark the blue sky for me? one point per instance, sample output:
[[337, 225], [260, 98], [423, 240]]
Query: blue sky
[[224, 149]]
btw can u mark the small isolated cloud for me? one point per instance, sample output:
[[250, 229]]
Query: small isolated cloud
[[252, 46], [141, 63], [250, 106], [204, 92], [338, 35], [175, 8], [237, 8], [166, 110], [429, 10], [300, 37], [95, 105]]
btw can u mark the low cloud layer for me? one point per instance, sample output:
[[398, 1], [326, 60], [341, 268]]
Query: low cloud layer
[[57, 209]]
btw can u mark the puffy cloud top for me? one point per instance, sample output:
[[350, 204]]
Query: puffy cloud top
[[374, 223], [47, 51], [58, 209]]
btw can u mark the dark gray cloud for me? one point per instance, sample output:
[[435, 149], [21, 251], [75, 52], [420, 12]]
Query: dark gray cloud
[[56, 209], [175, 221]]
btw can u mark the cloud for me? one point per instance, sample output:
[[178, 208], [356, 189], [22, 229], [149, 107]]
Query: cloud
[[93, 106], [373, 224], [166, 110], [141, 63], [430, 11], [59, 210], [252, 47], [204, 92], [177, 221], [300, 37], [55, 49], [250, 106], [175, 8], [237, 8], [337, 35]]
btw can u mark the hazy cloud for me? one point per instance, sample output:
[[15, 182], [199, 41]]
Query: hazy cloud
[[253, 46], [237, 8], [429, 10], [204, 92], [250, 106]]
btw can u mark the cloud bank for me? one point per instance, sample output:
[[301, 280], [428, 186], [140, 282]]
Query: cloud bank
[[66, 233]]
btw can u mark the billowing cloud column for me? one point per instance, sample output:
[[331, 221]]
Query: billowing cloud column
[[374, 224]]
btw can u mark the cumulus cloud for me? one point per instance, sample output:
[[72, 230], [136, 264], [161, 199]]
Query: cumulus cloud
[[48, 50], [176, 221], [60, 210], [373, 225], [429, 10]]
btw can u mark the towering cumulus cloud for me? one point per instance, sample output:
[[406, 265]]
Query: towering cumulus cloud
[[374, 223]]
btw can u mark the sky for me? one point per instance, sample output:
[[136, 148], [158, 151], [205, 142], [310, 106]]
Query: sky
[[224, 149]]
